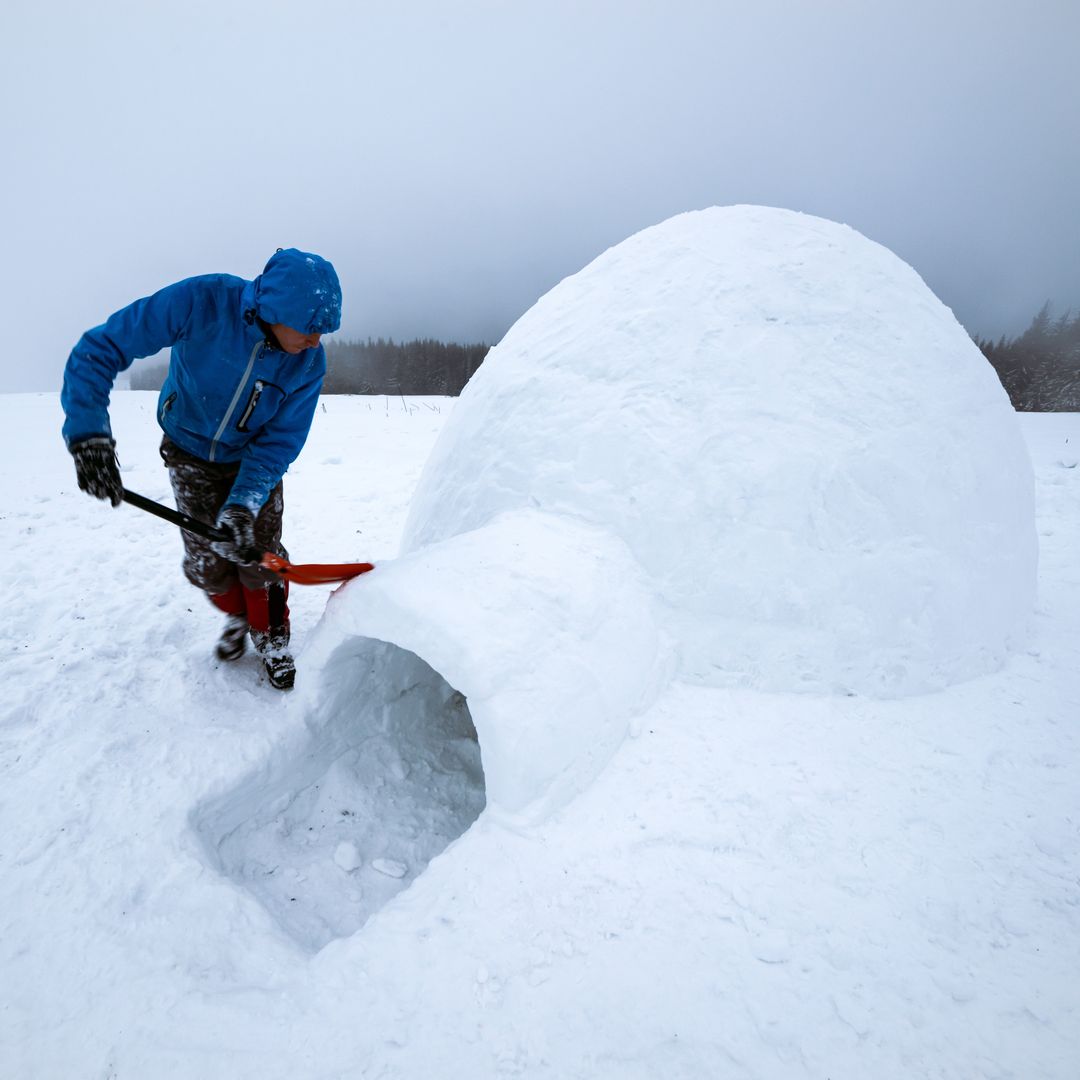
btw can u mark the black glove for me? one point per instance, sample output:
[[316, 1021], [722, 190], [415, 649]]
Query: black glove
[[239, 522], [97, 469]]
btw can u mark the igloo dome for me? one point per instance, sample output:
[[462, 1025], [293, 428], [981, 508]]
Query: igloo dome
[[815, 468]]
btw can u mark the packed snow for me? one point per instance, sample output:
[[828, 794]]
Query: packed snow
[[534, 808]]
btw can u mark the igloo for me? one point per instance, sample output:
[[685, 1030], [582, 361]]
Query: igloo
[[746, 447], [814, 466]]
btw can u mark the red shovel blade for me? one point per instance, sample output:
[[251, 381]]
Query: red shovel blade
[[313, 573]]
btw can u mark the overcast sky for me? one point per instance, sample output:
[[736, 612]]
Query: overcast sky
[[455, 160]]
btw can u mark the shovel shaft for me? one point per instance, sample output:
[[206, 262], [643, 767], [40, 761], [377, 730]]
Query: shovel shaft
[[185, 521]]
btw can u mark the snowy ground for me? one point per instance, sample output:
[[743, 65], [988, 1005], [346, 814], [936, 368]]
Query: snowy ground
[[757, 886]]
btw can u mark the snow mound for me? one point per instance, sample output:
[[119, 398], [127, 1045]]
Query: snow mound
[[813, 464]]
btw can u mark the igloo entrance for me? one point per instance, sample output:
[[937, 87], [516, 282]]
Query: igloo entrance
[[329, 832]]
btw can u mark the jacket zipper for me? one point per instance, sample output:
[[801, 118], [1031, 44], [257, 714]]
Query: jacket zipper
[[256, 393], [235, 399]]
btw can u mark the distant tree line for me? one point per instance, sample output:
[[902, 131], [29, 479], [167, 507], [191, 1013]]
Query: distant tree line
[[1040, 369], [378, 366], [374, 366]]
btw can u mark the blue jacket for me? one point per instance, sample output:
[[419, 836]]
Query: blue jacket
[[230, 395]]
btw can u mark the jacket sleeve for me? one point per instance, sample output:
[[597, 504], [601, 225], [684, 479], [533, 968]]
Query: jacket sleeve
[[141, 329], [268, 456]]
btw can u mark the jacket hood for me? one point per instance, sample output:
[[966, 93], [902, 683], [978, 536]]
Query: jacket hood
[[300, 290]]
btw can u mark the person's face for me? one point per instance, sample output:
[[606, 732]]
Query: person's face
[[292, 341]]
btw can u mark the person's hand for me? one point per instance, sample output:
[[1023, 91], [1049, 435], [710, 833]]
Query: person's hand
[[97, 469], [239, 523]]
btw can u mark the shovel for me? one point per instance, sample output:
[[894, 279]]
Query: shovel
[[300, 573]]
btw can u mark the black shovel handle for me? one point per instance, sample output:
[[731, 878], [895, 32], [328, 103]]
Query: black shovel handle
[[185, 521]]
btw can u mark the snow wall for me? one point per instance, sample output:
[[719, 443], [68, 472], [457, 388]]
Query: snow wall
[[747, 445]]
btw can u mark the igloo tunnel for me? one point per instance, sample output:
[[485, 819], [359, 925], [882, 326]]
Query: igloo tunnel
[[546, 626]]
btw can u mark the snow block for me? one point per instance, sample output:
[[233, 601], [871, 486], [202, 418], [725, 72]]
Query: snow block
[[545, 625], [813, 464]]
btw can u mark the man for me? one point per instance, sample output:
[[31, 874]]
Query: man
[[244, 379]]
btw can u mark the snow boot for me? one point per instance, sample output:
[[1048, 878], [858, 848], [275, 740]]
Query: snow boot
[[233, 640], [273, 649]]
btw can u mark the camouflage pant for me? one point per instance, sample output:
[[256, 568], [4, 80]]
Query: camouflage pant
[[200, 489]]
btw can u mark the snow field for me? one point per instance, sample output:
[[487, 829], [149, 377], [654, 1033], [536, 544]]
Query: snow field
[[757, 884]]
